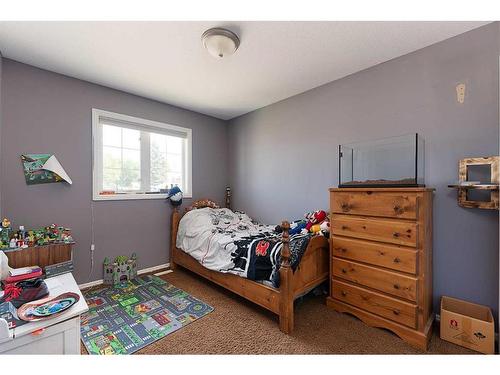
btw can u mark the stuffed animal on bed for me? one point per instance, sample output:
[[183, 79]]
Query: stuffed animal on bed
[[322, 228], [295, 227], [315, 217]]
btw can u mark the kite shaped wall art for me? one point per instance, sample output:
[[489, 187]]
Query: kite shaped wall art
[[43, 169]]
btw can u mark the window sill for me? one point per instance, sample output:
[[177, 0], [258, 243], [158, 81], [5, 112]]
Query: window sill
[[134, 196]]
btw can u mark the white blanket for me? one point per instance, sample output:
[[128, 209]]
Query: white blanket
[[209, 236]]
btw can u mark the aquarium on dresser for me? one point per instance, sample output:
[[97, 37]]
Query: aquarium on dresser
[[389, 162]]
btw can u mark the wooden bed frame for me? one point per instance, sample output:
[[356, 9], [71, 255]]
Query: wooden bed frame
[[312, 271]]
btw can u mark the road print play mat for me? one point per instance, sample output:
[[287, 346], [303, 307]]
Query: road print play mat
[[127, 317]]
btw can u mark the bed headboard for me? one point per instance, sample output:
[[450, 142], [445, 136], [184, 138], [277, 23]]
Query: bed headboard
[[202, 203]]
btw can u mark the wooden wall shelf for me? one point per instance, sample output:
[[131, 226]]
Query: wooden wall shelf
[[477, 187], [491, 186]]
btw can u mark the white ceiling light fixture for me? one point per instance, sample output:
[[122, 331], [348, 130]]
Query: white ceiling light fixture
[[220, 42]]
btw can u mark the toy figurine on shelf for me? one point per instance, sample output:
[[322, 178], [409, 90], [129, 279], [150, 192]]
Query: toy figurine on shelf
[[31, 238], [4, 242], [5, 235], [60, 231], [5, 223], [22, 233], [40, 238], [13, 242], [66, 236]]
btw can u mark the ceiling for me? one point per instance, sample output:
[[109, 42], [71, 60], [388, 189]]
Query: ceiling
[[166, 61]]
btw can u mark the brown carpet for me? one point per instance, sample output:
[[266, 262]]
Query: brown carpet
[[237, 326]]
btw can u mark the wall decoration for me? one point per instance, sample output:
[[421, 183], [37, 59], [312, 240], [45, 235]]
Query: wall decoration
[[43, 169], [465, 185]]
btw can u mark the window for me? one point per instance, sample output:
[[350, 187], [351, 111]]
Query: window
[[136, 158]]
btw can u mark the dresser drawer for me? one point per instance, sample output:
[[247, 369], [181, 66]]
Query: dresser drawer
[[390, 308], [378, 254], [376, 278], [398, 232], [373, 203]]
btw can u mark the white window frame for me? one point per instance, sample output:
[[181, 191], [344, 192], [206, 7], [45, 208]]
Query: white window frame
[[97, 150]]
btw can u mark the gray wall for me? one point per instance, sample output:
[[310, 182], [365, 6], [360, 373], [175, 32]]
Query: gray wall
[[47, 112], [284, 156]]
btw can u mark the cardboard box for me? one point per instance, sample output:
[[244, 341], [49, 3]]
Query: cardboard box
[[467, 324]]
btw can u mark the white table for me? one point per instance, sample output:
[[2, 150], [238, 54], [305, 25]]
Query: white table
[[60, 335]]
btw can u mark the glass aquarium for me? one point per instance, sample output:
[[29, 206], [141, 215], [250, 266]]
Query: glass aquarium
[[389, 162]]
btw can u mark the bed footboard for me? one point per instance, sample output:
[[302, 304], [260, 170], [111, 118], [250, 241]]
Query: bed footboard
[[312, 270]]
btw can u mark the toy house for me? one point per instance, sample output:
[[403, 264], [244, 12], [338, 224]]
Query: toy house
[[122, 269]]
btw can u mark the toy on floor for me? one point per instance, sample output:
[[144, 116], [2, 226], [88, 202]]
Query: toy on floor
[[122, 269]]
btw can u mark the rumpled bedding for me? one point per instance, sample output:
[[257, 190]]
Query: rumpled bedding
[[231, 242]]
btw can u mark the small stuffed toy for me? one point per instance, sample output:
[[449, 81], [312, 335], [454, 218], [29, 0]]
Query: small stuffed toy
[[175, 196], [324, 227], [315, 217], [295, 227]]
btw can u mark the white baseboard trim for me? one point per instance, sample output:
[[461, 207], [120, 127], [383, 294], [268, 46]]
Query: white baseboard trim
[[163, 272], [153, 269], [139, 272], [90, 284]]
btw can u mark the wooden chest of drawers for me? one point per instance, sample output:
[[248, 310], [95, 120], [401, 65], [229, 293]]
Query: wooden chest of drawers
[[381, 258]]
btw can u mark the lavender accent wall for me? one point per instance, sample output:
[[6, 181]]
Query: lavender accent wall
[[284, 156], [47, 112]]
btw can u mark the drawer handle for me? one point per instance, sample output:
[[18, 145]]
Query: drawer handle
[[396, 312], [397, 260], [395, 235], [345, 207], [344, 293], [398, 210], [396, 286], [344, 227], [344, 270], [343, 250]]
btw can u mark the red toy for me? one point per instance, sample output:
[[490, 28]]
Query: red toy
[[315, 217]]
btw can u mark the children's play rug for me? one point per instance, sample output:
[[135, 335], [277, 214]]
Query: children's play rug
[[127, 317]]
